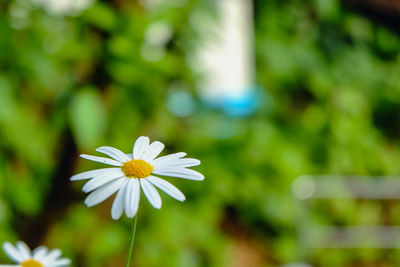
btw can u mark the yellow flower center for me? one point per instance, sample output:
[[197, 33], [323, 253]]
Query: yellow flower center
[[31, 263], [137, 168]]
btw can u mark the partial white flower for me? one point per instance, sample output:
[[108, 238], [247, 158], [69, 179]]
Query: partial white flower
[[64, 7], [135, 171], [40, 257]]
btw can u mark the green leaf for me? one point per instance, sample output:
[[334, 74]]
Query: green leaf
[[87, 117]]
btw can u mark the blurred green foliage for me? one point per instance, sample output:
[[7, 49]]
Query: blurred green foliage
[[68, 84]]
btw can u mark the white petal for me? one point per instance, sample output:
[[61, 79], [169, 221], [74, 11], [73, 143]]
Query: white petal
[[102, 160], [118, 204], [102, 193], [132, 197], [24, 250], [52, 256], [153, 151], [61, 262], [163, 159], [114, 153], [181, 163], [167, 188], [130, 156], [13, 253], [100, 180], [140, 147], [180, 173], [39, 253], [151, 193], [93, 173]]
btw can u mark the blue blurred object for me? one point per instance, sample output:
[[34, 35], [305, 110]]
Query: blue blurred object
[[242, 105], [239, 105]]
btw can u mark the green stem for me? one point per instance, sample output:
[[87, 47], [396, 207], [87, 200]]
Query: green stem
[[133, 232]]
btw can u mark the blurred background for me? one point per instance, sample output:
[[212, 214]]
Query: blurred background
[[260, 91]]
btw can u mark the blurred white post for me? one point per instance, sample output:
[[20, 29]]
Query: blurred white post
[[227, 57]]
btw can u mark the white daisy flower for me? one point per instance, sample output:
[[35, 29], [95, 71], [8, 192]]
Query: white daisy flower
[[135, 171], [40, 257]]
